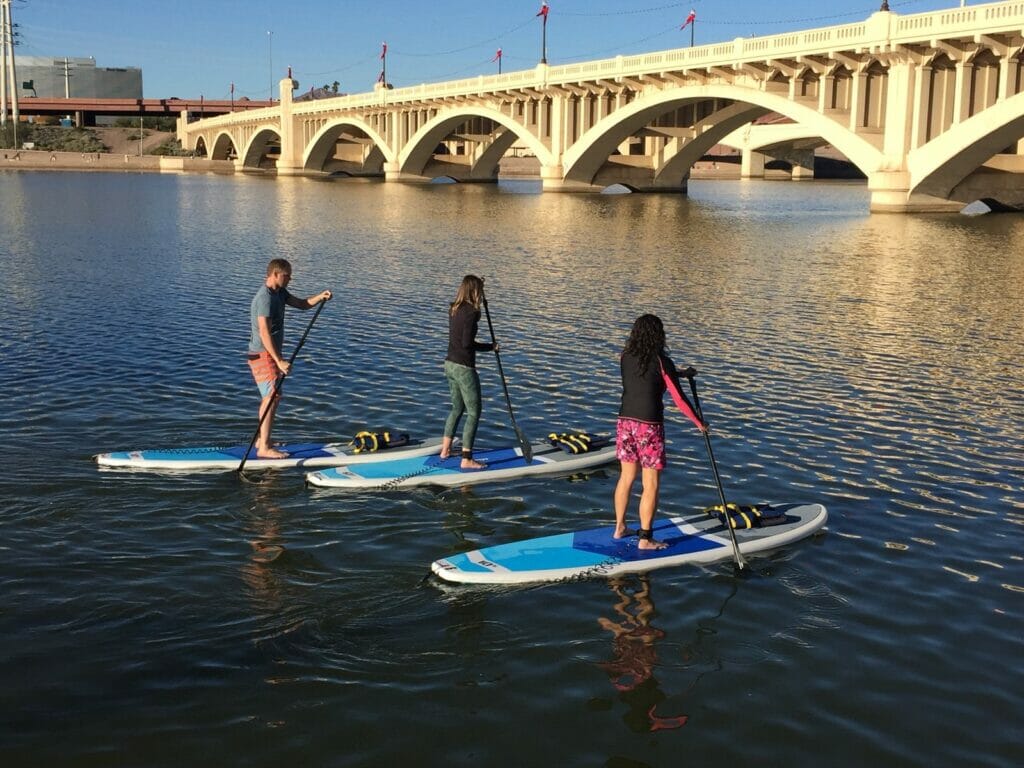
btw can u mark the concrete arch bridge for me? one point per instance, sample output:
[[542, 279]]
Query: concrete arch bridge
[[930, 107]]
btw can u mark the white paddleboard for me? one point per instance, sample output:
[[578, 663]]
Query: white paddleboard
[[299, 455], [694, 539], [502, 464]]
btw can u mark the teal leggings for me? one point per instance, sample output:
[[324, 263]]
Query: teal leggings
[[464, 383]]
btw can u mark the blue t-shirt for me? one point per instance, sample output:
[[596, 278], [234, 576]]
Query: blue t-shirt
[[268, 303]]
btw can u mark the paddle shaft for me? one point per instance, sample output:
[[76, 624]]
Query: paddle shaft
[[277, 384], [524, 444], [718, 480]]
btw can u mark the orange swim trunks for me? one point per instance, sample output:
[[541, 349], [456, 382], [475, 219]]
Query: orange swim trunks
[[264, 371]]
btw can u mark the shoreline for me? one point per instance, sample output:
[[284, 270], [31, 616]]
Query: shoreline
[[44, 160]]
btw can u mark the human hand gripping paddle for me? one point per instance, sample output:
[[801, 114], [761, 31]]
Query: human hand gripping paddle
[[740, 563], [277, 385], [524, 444]]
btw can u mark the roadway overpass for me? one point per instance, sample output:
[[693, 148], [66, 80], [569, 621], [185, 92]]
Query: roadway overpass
[[85, 111], [930, 107]]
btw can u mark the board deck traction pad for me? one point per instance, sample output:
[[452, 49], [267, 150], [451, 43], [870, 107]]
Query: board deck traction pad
[[502, 464], [695, 539], [228, 457]]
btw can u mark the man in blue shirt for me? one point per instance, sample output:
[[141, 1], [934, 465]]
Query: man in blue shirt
[[265, 342]]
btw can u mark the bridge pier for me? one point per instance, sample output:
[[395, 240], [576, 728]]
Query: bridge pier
[[802, 161], [890, 193], [752, 164]]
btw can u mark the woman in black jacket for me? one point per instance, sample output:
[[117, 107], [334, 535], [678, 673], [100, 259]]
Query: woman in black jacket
[[640, 431], [460, 368]]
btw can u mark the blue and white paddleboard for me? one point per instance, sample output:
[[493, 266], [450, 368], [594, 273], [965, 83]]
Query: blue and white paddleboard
[[698, 538], [502, 464], [299, 455]]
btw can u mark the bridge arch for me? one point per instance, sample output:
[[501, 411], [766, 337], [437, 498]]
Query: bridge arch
[[223, 147], [419, 151], [200, 147], [321, 147], [937, 167], [260, 141], [585, 158]]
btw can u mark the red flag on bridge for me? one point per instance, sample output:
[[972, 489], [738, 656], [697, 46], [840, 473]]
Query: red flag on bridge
[[689, 19], [544, 8], [497, 56], [383, 50]]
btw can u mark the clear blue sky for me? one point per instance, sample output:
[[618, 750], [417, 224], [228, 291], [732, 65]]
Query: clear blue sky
[[187, 48]]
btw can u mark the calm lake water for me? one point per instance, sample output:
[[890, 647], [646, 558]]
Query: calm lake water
[[872, 363]]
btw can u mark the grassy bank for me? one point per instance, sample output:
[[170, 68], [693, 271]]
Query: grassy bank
[[120, 140]]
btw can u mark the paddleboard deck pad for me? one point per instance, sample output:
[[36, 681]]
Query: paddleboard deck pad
[[299, 455], [502, 464], [695, 539]]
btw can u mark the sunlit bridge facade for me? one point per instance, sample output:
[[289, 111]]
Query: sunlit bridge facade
[[929, 107]]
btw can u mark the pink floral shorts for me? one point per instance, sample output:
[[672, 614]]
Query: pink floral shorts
[[638, 441]]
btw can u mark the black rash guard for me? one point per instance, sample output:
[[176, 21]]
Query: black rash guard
[[642, 394], [462, 343]]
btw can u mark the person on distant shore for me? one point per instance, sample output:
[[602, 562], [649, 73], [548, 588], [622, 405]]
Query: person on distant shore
[[266, 362], [640, 431], [460, 368]]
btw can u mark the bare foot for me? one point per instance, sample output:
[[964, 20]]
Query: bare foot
[[651, 544], [446, 447], [271, 453], [472, 464], [622, 532]]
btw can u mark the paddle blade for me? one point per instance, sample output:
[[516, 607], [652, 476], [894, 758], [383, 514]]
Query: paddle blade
[[524, 445]]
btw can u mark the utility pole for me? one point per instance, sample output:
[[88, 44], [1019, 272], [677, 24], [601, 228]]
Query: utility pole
[[67, 78], [10, 72], [3, 62]]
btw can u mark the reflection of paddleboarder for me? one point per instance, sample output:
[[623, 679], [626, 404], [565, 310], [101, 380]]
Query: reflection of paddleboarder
[[631, 670]]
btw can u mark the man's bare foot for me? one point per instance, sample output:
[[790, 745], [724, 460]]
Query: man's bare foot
[[622, 532], [472, 464], [651, 544], [271, 453], [446, 447]]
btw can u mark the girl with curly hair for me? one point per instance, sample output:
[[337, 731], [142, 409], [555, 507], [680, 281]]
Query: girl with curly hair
[[640, 431]]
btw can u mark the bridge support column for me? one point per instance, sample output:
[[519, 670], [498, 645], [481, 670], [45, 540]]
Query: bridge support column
[[802, 161], [752, 165], [393, 172], [890, 191], [290, 161], [553, 180]]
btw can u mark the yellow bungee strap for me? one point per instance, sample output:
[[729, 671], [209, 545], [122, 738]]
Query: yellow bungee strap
[[571, 442]]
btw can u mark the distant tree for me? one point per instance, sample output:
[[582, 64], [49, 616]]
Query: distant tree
[[334, 86]]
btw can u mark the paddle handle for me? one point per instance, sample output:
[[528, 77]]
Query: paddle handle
[[524, 444], [277, 384], [740, 563]]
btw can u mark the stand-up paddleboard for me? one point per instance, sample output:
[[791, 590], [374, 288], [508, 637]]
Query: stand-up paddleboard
[[299, 455], [502, 464], [698, 538]]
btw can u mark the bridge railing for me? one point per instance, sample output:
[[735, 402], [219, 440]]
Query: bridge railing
[[879, 31]]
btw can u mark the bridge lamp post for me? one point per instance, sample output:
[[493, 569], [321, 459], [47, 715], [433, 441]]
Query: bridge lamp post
[[270, 61]]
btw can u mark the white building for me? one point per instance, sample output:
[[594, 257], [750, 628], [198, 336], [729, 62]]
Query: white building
[[67, 77]]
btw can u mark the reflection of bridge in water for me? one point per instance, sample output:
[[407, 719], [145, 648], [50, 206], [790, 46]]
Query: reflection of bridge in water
[[930, 107]]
